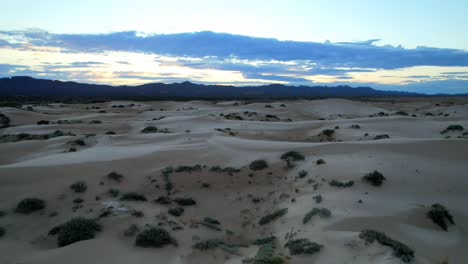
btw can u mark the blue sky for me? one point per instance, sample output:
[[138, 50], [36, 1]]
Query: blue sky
[[396, 45]]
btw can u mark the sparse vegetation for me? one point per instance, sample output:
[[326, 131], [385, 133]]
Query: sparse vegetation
[[4, 121], [258, 165], [153, 129], [453, 128], [273, 216], [302, 174], [154, 237], [340, 184], [383, 136], [292, 155], [266, 254], [30, 205], [303, 246], [77, 229], [188, 169], [400, 250], [320, 162], [178, 211], [6, 138], [328, 133], [131, 230], [114, 192], [185, 201], [163, 200], [133, 196], [322, 212], [2, 232], [438, 214], [79, 187], [318, 198], [374, 178]]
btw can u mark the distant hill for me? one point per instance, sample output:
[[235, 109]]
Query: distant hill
[[28, 87]]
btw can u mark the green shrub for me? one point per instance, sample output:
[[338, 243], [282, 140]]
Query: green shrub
[[154, 237], [318, 198], [185, 201], [258, 165], [110, 133], [292, 155], [29, 205], [438, 214], [383, 136], [265, 240], [79, 187], [77, 229], [163, 200], [150, 129], [2, 231], [400, 250], [114, 176], [323, 212], [273, 216], [302, 174], [328, 132], [341, 184], [178, 211], [133, 196], [188, 169], [4, 121], [303, 246], [374, 178], [208, 244], [453, 128], [266, 255], [211, 221]]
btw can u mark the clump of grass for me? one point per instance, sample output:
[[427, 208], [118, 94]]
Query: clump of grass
[[30, 205], [258, 165], [110, 133], [185, 201], [155, 237], [77, 229], [114, 176], [400, 250], [453, 128], [374, 178], [340, 184], [322, 212], [273, 216], [178, 211], [114, 192], [303, 246], [438, 214], [133, 196], [79, 187], [25, 136], [293, 156]]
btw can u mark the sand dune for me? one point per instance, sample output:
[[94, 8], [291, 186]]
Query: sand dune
[[421, 167]]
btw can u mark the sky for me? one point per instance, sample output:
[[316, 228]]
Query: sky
[[417, 46]]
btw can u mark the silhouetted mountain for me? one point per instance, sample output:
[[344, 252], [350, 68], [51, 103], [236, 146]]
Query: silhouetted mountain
[[28, 87]]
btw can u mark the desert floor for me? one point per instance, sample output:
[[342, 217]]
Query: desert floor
[[421, 167]]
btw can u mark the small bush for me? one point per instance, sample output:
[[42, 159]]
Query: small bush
[[258, 165], [339, 184], [78, 201], [328, 132], [265, 240], [400, 250], [208, 244], [178, 211], [303, 246], [77, 229], [273, 216], [114, 192], [43, 122], [154, 237], [110, 133], [318, 198], [131, 230], [2, 231], [188, 169], [320, 162], [438, 214], [163, 200], [323, 212], [149, 129], [133, 196], [79, 187], [375, 178], [211, 221], [383, 136], [302, 174], [453, 128], [137, 213], [114, 176], [185, 201], [292, 155], [29, 205]]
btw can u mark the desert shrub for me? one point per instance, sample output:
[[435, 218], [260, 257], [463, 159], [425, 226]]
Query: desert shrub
[[453, 128], [77, 229], [401, 113], [302, 174], [258, 165], [303, 246], [340, 184], [185, 201], [188, 169], [292, 155], [133, 196], [78, 200], [211, 221], [131, 230], [79, 187], [95, 122], [383, 136], [322, 212], [78, 142], [137, 213], [178, 211], [400, 250], [43, 122], [328, 132], [154, 237], [265, 240], [2, 214], [438, 214], [375, 178], [163, 200], [114, 176], [320, 162], [4, 121], [2, 231], [318, 198], [266, 255], [208, 244], [356, 126], [110, 133], [150, 129], [210, 225], [273, 216], [29, 205], [114, 192]]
